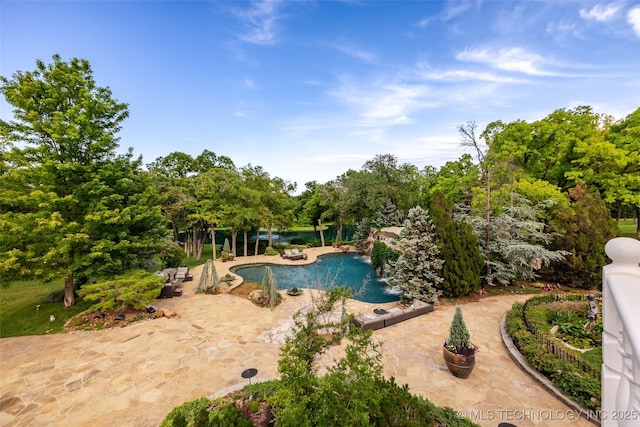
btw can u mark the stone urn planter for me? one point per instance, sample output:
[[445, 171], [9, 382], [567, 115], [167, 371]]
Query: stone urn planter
[[294, 292], [458, 352]]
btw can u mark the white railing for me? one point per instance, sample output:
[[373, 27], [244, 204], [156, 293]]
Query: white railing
[[621, 335]]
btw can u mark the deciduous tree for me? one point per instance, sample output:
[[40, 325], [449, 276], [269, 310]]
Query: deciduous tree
[[69, 205]]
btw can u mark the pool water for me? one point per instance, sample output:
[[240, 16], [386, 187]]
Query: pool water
[[352, 271]]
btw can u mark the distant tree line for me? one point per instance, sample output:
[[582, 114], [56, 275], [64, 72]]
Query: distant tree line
[[535, 199]]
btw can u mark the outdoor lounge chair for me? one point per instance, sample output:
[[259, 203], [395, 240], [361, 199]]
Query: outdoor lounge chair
[[183, 273], [293, 254]]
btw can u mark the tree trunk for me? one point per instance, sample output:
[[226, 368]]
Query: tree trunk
[[270, 234], [199, 238], [321, 233], [638, 222], [255, 251], [69, 299], [196, 244], [188, 247], [213, 242], [234, 243], [175, 232], [245, 243]]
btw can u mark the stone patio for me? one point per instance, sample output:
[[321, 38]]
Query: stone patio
[[134, 376]]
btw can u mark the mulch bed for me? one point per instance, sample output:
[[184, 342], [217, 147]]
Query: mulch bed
[[87, 321]]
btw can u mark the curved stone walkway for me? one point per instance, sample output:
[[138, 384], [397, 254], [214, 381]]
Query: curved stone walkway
[[134, 376]]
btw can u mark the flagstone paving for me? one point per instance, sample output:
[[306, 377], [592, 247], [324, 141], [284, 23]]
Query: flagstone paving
[[134, 376]]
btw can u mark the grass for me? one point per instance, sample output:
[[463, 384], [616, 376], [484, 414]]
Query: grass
[[628, 227], [20, 314], [207, 253]]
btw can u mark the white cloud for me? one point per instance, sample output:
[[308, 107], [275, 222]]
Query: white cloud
[[454, 9], [514, 59], [248, 83], [260, 21], [451, 10], [601, 13], [633, 17], [466, 75], [357, 52], [385, 104]]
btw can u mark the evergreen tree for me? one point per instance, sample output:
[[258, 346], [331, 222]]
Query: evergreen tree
[[459, 340], [381, 257], [463, 261], [416, 271], [269, 288], [516, 247], [363, 232], [209, 280], [388, 215], [583, 229]]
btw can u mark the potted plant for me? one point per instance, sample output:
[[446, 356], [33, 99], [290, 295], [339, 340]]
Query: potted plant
[[458, 352], [294, 292]]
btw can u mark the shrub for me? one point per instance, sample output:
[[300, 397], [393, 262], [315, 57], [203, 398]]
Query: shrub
[[567, 377], [136, 289], [298, 241], [197, 414], [271, 251], [172, 255]]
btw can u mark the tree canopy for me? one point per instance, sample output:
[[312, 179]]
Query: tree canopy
[[70, 206]]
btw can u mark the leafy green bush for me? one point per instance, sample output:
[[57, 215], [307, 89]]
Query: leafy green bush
[[271, 251], [172, 255], [136, 289], [297, 241], [567, 377], [197, 414]]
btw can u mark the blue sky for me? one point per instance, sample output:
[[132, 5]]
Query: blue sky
[[310, 89]]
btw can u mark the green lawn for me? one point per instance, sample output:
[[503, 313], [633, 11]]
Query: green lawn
[[628, 227], [20, 314]]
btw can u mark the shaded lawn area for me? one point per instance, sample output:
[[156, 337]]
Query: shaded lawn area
[[628, 227], [20, 315]]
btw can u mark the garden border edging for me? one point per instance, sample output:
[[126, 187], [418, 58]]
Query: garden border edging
[[519, 359]]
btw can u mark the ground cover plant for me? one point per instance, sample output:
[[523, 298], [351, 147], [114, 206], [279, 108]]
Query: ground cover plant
[[565, 373]]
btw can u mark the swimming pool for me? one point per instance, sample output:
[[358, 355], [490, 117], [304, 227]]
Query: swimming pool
[[349, 270]]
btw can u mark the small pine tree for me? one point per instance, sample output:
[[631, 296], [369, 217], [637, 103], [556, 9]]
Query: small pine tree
[[209, 279], [269, 288], [459, 340], [416, 271], [226, 249]]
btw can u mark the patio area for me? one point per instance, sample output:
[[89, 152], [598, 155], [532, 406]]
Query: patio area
[[134, 376]]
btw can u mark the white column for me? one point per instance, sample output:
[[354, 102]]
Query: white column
[[621, 334]]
